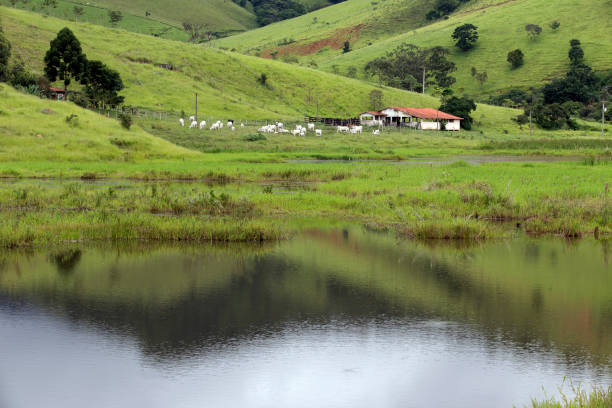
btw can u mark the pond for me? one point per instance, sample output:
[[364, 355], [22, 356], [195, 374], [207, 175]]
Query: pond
[[332, 318]]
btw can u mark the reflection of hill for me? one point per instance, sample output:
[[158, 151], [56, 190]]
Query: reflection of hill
[[175, 299]]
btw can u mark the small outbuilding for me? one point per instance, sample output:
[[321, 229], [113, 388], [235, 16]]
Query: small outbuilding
[[372, 118], [421, 118], [57, 93]]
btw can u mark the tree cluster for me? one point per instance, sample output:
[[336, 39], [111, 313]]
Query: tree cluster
[[65, 61], [405, 66], [271, 11], [14, 73], [443, 8]]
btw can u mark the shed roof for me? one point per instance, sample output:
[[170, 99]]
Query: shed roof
[[373, 113], [426, 113], [58, 90]]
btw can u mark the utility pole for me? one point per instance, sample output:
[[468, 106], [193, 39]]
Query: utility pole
[[196, 106], [423, 80], [603, 119]]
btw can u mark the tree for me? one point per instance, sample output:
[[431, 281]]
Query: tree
[[114, 17], [482, 77], [194, 30], [466, 36], [406, 65], [65, 59], [102, 84], [5, 54], [376, 99], [78, 12], [576, 54], [555, 25], [461, 107], [347, 47], [49, 3], [533, 30], [515, 58]]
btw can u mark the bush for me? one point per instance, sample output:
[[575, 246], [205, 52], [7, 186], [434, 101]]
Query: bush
[[72, 120], [126, 120], [80, 99], [255, 137]]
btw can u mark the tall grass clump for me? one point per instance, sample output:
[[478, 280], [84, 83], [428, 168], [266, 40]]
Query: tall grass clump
[[597, 397]]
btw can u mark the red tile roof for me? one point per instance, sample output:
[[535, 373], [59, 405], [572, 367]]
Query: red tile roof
[[56, 89], [426, 113]]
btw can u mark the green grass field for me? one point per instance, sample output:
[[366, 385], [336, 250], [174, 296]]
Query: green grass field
[[226, 82], [501, 28]]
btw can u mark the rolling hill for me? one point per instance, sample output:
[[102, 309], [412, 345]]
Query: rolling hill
[[229, 84], [501, 28], [36, 129]]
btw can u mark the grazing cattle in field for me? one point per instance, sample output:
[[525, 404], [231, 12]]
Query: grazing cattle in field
[[230, 123], [233, 128], [311, 126], [295, 132], [357, 129], [242, 125], [182, 122], [194, 124], [318, 132], [191, 118], [343, 129], [202, 124], [376, 132], [280, 125]]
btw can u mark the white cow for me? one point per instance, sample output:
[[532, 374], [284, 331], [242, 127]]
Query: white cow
[[311, 126], [242, 125], [295, 132], [191, 118], [230, 123], [318, 132], [376, 132], [343, 129], [193, 125], [357, 129], [182, 122], [233, 128], [202, 124], [280, 125]]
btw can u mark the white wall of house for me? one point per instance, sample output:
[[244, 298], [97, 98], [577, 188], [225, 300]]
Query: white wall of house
[[430, 125], [453, 125]]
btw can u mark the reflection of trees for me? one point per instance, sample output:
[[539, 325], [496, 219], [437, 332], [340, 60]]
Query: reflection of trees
[[213, 295]]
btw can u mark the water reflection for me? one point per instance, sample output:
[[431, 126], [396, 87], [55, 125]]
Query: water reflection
[[332, 318]]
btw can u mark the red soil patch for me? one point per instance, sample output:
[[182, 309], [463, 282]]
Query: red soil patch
[[335, 42]]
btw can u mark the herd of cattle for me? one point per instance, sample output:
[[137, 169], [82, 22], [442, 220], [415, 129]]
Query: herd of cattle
[[278, 127]]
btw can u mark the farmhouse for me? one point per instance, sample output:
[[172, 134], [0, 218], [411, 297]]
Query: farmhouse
[[421, 118], [372, 118]]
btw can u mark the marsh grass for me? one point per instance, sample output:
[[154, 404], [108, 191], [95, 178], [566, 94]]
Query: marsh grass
[[578, 397]]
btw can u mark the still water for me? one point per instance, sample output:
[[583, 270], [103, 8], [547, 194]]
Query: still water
[[332, 318]]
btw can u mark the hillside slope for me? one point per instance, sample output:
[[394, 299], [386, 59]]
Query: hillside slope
[[501, 27], [164, 17], [228, 83], [36, 129]]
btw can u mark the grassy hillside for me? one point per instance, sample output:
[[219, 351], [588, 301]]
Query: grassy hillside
[[227, 82], [323, 32], [165, 18], [37, 129], [501, 28]]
